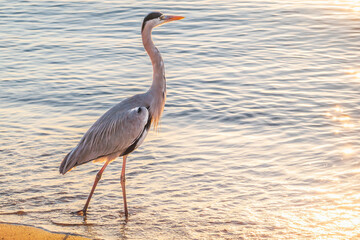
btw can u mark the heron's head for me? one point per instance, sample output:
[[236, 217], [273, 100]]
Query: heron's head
[[157, 18]]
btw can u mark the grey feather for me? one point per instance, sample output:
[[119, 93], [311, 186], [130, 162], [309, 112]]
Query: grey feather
[[112, 133]]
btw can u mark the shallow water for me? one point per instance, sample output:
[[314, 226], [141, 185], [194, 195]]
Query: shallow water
[[259, 137]]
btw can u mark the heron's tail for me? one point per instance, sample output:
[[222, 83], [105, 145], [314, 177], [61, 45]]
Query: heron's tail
[[67, 163]]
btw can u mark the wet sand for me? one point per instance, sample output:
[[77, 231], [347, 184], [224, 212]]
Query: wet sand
[[15, 232]]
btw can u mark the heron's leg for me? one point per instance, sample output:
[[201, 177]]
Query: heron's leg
[[97, 178], [122, 180]]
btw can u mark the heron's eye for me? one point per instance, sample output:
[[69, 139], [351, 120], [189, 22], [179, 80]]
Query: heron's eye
[[162, 17]]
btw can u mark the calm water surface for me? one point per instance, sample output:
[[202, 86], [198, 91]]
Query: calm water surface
[[259, 138]]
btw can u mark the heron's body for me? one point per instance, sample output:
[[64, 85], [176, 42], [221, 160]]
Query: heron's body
[[124, 127], [105, 139]]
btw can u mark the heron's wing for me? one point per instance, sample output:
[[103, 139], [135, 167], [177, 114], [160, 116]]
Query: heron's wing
[[113, 133]]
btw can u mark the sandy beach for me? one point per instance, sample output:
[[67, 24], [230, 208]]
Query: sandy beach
[[15, 232]]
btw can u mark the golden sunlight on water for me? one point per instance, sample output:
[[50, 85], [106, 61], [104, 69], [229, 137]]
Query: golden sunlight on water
[[354, 73], [342, 215], [344, 123], [353, 5]]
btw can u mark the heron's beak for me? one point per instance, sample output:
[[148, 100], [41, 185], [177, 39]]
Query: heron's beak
[[170, 18]]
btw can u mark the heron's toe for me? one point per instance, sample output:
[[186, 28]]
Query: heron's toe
[[80, 213]]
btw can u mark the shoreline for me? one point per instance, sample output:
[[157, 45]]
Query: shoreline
[[12, 231]]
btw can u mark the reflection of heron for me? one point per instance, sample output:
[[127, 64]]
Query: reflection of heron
[[124, 127]]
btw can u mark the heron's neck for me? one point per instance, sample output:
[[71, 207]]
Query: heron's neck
[[159, 81], [158, 87]]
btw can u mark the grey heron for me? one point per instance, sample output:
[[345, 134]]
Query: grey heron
[[124, 127]]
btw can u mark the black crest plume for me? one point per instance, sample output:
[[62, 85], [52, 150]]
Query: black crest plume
[[150, 16]]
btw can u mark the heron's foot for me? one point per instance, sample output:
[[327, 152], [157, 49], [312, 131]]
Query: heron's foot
[[81, 213], [124, 215]]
